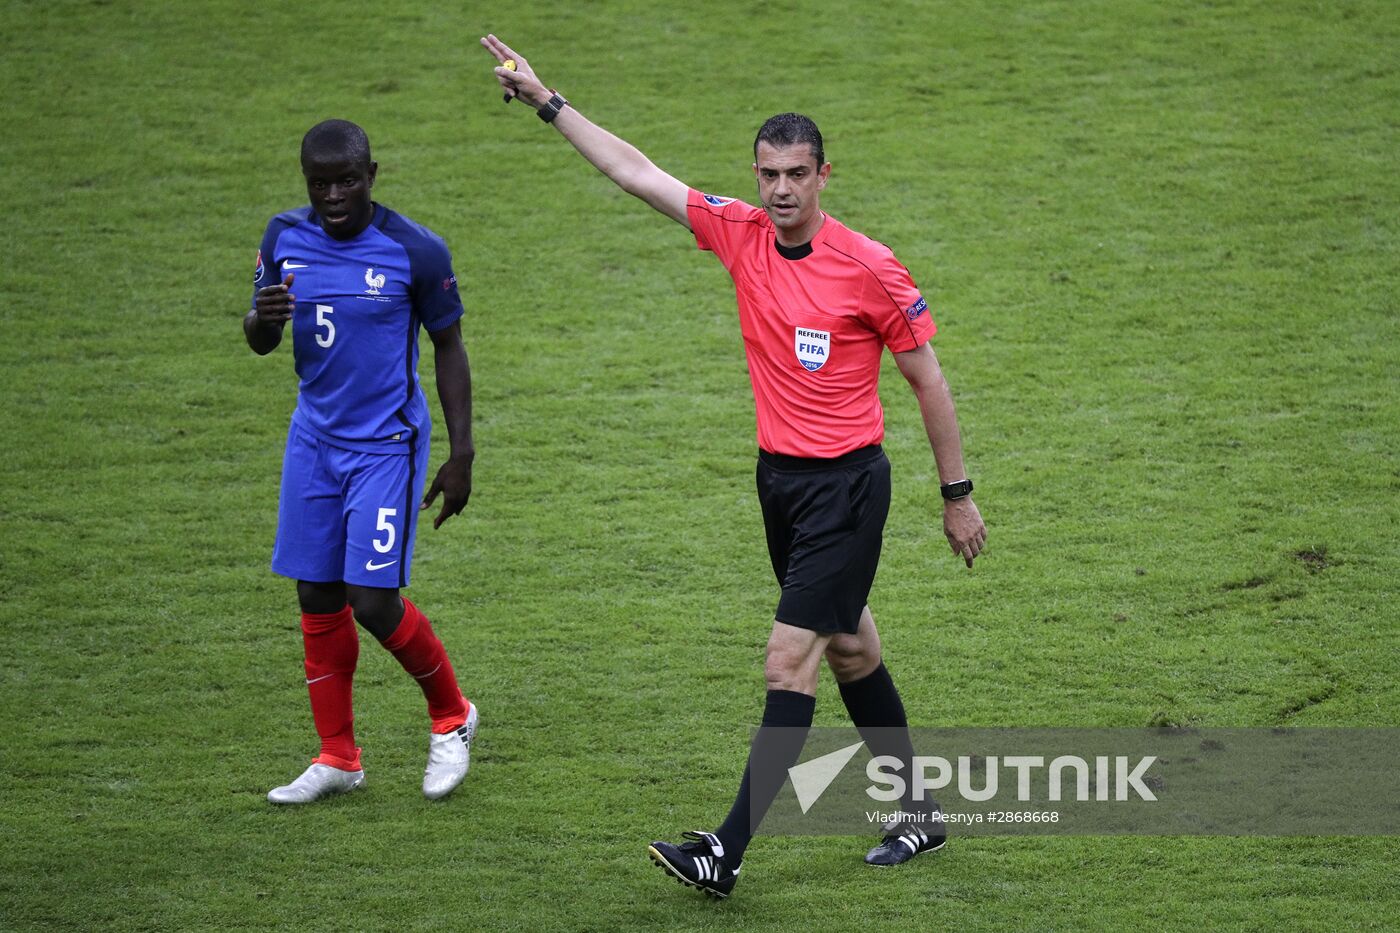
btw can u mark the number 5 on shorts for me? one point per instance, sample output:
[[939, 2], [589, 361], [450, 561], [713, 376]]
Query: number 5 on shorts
[[387, 527]]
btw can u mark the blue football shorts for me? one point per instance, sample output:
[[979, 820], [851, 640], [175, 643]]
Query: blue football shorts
[[347, 514]]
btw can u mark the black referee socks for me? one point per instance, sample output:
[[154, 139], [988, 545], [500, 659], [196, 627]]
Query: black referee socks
[[878, 714], [787, 717], [873, 700]]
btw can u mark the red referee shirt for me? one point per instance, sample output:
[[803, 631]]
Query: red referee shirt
[[813, 327]]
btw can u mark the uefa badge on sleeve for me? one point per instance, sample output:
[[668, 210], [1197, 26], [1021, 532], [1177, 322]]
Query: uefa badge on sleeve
[[813, 347]]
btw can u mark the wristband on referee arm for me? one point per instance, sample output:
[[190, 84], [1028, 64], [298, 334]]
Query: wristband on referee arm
[[551, 107], [959, 490]]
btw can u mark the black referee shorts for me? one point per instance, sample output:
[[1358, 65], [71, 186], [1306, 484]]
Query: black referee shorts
[[825, 521]]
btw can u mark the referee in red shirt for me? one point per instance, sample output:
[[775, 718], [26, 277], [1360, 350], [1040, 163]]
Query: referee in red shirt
[[818, 303]]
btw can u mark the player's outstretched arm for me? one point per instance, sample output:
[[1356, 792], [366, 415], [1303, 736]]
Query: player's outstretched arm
[[454, 386], [962, 523], [272, 309], [616, 158]]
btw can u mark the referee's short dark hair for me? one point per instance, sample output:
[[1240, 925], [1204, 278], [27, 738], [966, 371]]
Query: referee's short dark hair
[[334, 140], [787, 129]]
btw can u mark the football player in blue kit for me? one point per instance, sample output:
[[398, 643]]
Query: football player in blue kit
[[356, 280]]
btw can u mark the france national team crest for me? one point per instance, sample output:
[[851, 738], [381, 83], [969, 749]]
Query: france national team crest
[[813, 347], [373, 282]]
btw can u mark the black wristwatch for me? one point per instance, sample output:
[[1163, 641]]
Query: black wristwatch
[[959, 490], [551, 108]]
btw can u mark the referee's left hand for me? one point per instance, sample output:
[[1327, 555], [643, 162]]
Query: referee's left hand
[[962, 524], [518, 82], [454, 481]]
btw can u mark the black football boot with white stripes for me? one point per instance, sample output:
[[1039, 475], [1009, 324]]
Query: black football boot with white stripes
[[698, 863], [903, 841]]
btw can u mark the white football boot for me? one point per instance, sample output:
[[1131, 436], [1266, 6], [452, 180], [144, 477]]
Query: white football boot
[[449, 756], [316, 782]]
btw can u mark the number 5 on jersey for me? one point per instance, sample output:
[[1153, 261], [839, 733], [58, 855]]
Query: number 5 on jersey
[[323, 319]]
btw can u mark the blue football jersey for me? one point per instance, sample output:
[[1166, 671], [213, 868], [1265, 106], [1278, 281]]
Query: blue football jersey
[[359, 304]]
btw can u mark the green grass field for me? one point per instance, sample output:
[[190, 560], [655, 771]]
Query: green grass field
[[1160, 242]]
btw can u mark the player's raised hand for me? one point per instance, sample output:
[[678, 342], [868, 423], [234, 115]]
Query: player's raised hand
[[454, 482], [274, 304], [962, 525], [519, 81]]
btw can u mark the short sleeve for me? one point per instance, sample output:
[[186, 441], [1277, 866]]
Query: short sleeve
[[894, 306], [721, 225], [435, 296], [265, 273]]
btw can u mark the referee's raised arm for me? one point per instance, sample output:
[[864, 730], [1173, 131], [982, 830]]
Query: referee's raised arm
[[616, 158]]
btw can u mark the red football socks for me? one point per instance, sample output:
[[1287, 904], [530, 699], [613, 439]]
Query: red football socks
[[421, 653], [332, 649]]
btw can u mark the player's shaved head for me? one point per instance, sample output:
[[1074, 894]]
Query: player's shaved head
[[335, 141], [339, 173], [788, 129]]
